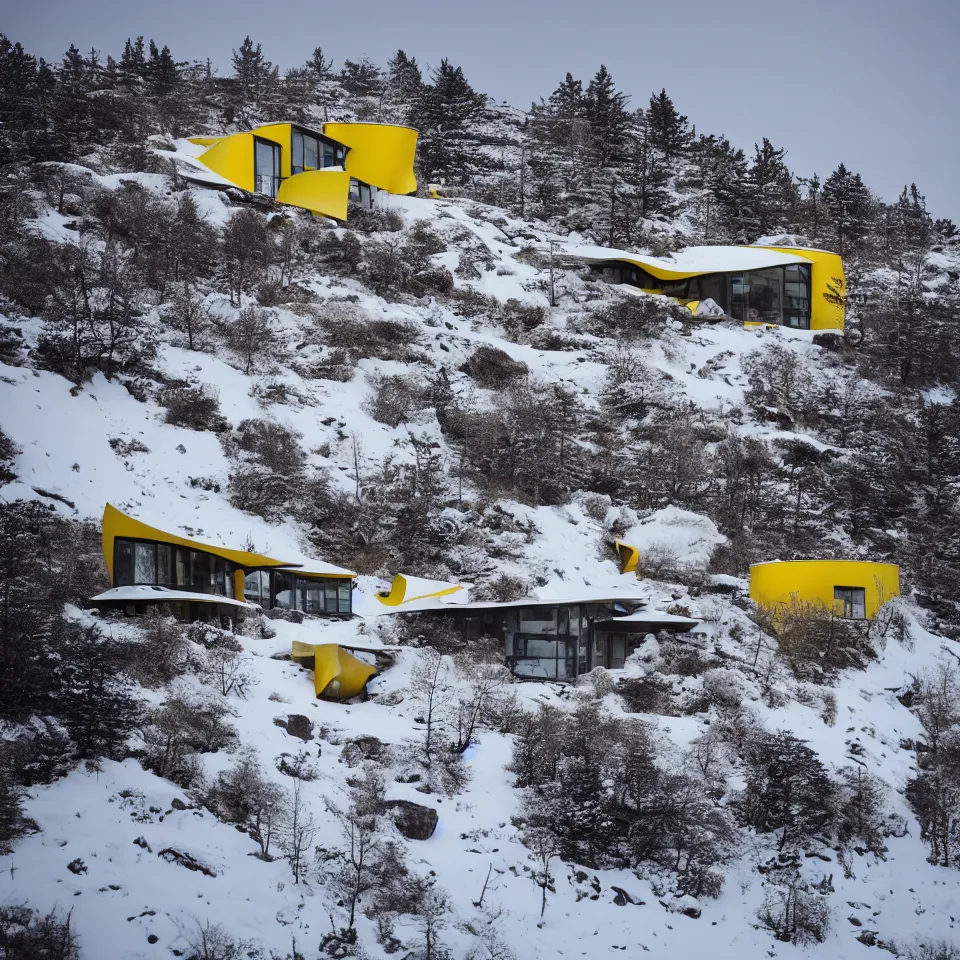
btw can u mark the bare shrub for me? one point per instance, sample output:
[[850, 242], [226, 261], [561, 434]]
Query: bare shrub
[[190, 314], [196, 408], [933, 950], [650, 694], [396, 400], [26, 934], [336, 364], [494, 369], [209, 941], [796, 914], [634, 318], [164, 652], [251, 336], [346, 326]]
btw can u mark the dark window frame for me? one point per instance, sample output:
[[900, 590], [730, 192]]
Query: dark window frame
[[278, 176], [169, 580], [340, 150], [850, 604]]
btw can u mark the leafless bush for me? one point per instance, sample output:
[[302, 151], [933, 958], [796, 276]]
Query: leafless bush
[[163, 653], [494, 369], [933, 950], [519, 319], [634, 318], [27, 935], [251, 336], [650, 694], [196, 408], [396, 400], [209, 941], [336, 364], [796, 914], [190, 314], [346, 326]]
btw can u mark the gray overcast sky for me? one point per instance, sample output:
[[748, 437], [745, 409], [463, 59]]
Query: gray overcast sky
[[874, 84]]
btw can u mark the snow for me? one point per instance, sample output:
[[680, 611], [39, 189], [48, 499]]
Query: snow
[[558, 553], [153, 594], [691, 260]]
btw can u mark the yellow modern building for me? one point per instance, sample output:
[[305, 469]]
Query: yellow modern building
[[199, 581], [317, 170], [784, 286], [854, 589]]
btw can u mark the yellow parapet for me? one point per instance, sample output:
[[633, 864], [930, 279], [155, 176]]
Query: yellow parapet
[[380, 154], [851, 588], [337, 674], [321, 191], [629, 556], [405, 589]]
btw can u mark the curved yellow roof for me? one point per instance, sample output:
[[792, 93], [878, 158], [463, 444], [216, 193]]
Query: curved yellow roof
[[321, 191], [118, 524]]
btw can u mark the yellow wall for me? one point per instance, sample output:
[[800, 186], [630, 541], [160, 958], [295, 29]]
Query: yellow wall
[[629, 556], [380, 154], [321, 191], [827, 271], [811, 582], [232, 158]]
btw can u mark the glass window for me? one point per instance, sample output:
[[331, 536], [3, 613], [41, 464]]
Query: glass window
[[202, 570], [220, 576], [330, 596], [182, 573], [796, 295], [145, 563], [763, 296], [714, 288], [164, 572], [230, 572], [283, 590], [343, 596], [678, 289], [312, 153], [266, 167], [850, 602], [251, 587], [122, 563]]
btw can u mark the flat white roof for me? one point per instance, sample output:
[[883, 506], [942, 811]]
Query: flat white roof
[[145, 592]]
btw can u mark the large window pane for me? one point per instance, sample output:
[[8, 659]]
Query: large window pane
[[796, 295], [311, 153], [763, 296], [164, 572], [282, 590], [251, 587], [267, 167], [296, 151], [202, 571], [145, 563], [122, 563], [850, 602], [182, 573], [343, 596]]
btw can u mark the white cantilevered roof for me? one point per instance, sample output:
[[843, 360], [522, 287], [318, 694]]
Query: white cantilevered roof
[[146, 592], [691, 262]]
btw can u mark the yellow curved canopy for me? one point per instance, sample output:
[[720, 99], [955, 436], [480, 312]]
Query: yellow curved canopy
[[117, 524], [321, 191], [405, 589], [380, 154], [629, 556], [337, 674]]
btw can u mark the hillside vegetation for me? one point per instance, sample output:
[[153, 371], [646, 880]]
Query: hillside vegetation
[[399, 393]]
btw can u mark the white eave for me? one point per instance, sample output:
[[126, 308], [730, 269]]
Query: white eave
[[144, 593]]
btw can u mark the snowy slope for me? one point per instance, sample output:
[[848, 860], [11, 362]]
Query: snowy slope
[[127, 891]]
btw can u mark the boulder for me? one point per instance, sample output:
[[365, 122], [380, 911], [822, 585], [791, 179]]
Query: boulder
[[413, 820]]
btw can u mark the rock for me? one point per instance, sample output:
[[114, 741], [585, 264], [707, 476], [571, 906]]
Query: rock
[[358, 749], [178, 804], [300, 726], [413, 820], [172, 855], [623, 898], [855, 921], [77, 866]]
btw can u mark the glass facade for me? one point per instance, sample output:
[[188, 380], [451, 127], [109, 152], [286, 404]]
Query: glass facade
[[310, 151], [777, 295], [166, 565], [288, 591]]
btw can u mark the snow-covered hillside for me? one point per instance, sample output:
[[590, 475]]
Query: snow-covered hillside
[[142, 864]]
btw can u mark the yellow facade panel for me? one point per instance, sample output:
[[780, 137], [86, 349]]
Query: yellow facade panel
[[380, 154], [629, 556], [325, 192], [788, 583]]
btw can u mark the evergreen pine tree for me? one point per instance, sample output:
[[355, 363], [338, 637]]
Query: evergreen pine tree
[[404, 75], [847, 204], [771, 194], [605, 110], [133, 62], [667, 127], [254, 74]]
